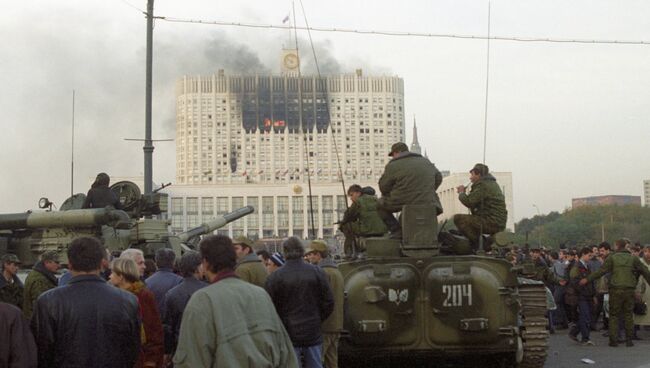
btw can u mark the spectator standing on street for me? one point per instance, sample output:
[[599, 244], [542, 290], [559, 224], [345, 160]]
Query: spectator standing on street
[[88, 323], [39, 280], [644, 288], [275, 261], [136, 256], [164, 279], [230, 323], [249, 267], [11, 288], [126, 276], [585, 296], [303, 300], [176, 299], [559, 270], [624, 268], [17, 349]]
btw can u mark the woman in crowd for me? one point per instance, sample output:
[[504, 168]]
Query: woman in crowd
[[126, 276]]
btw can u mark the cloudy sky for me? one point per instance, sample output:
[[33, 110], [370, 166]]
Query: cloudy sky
[[568, 120]]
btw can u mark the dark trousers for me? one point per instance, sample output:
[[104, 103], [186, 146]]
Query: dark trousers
[[559, 314], [598, 309], [584, 319], [621, 304]]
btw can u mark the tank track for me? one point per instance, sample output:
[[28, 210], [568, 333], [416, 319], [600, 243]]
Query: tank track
[[534, 333]]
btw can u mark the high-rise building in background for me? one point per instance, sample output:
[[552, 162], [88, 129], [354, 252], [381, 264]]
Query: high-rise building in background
[[646, 193], [262, 139], [415, 145]]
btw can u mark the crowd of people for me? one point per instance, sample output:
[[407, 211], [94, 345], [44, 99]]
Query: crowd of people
[[223, 305], [592, 287]]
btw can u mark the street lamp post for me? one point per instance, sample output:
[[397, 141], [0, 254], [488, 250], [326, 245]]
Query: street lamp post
[[539, 232]]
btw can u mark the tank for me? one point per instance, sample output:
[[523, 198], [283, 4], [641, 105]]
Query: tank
[[140, 224], [420, 298]]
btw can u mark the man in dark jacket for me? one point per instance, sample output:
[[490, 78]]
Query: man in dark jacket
[[176, 299], [408, 178], [585, 296], [303, 300], [486, 204], [625, 270], [361, 218], [17, 349], [11, 288], [164, 279], [39, 280], [87, 323], [100, 195]]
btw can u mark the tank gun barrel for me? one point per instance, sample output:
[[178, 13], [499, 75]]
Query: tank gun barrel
[[70, 218], [216, 223]]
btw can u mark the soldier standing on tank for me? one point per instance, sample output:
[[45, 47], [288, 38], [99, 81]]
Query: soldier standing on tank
[[11, 288], [486, 204], [100, 195], [361, 218], [249, 267], [408, 178], [624, 269], [41, 279]]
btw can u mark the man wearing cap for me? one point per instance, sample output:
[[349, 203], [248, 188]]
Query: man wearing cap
[[486, 204], [249, 267], [361, 218], [319, 254], [11, 288], [408, 178], [275, 261], [41, 279]]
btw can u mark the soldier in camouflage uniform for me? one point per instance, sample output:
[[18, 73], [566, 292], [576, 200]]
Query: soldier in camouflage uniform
[[625, 270], [11, 288], [486, 204], [360, 219]]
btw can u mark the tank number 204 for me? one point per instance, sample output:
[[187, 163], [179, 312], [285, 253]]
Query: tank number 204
[[457, 295]]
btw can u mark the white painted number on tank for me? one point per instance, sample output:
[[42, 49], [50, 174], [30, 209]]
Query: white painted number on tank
[[457, 295]]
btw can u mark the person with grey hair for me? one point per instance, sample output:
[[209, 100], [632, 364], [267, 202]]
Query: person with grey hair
[[303, 300], [137, 256], [177, 297], [164, 279]]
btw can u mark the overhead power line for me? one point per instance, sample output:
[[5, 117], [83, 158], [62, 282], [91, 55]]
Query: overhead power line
[[402, 34]]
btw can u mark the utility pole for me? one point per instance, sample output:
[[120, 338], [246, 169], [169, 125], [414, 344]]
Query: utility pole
[[148, 143]]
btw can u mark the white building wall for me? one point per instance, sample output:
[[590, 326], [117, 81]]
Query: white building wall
[[449, 198]]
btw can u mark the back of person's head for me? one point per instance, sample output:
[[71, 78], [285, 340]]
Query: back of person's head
[[189, 263], [354, 188], [165, 258], [102, 179], [218, 252], [292, 248], [620, 243], [555, 256], [264, 254], [132, 254], [85, 254], [126, 268]]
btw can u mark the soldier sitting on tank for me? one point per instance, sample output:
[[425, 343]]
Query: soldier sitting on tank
[[408, 179], [486, 204], [100, 195], [361, 218]]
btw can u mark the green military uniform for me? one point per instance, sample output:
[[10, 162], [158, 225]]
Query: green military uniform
[[11, 291], [544, 274], [333, 325], [488, 209], [408, 178], [361, 219], [38, 281], [251, 269], [624, 269]]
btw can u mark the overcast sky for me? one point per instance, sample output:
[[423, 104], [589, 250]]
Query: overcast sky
[[568, 120]]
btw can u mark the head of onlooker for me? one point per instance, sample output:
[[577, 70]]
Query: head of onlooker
[[293, 249], [165, 258], [646, 253], [512, 258], [317, 251], [190, 265], [149, 268], [275, 261], [585, 254], [50, 260], [125, 273], [554, 256], [136, 256], [263, 255], [10, 265], [243, 247], [85, 256], [535, 254], [218, 255], [621, 244], [603, 249]]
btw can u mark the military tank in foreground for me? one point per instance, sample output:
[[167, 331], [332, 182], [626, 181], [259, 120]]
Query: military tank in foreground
[[30, 234], [405, 299]]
